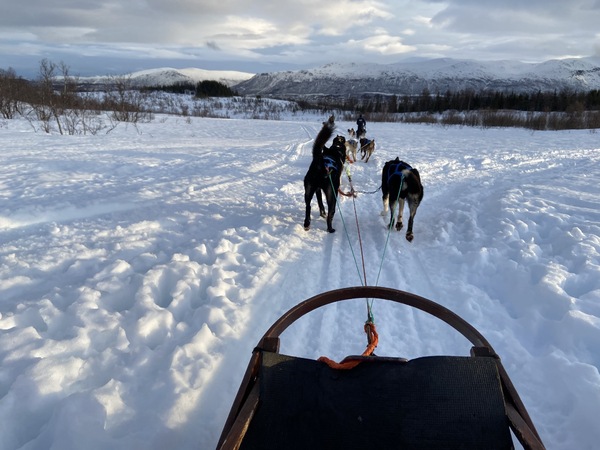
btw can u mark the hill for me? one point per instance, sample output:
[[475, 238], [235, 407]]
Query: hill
[[436, 75], [167, 76]]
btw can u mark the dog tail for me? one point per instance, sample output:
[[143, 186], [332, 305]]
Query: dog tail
[[323, 137]]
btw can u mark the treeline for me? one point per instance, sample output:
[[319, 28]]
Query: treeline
[[470, 100], [202, 89], [177, 88], [532, 120], [558, 110]]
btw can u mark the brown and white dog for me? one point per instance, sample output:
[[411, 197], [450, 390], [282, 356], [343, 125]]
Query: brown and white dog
[[367, 147], [399, 182], [354, 134], [351, 149]]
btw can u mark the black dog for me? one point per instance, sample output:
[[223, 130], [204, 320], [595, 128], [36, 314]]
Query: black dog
[[324, 173], [400, 181]]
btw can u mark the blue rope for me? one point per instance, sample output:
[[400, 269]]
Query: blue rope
[[389, 230], [346, 229]]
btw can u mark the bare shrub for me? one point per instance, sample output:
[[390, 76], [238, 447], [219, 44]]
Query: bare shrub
[[12, 92], [125, 103]]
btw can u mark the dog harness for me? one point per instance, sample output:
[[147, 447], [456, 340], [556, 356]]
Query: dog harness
[[397, 168], [329, 164]]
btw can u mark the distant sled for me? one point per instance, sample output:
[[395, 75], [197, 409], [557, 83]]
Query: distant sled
[[433, 402]]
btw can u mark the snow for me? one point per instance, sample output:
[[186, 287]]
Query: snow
[[139, 268]]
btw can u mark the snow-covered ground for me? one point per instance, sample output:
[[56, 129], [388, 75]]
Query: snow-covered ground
[[138, 270]]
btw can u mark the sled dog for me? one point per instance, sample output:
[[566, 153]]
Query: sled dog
[[324, 173], [351, 149], [367, 147], [360, 134], [399, 182]]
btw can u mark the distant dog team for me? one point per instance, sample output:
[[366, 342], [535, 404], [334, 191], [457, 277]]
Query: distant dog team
[[367, 146], [399, 181]]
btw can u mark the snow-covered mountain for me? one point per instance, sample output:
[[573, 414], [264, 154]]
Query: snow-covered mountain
[[167, 76], [436, 75], [403, 78]]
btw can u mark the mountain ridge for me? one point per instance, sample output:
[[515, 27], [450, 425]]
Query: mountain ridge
[[168, 76], [435, 75], [400, 78]]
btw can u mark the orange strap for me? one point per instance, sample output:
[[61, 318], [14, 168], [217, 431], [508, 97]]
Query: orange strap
[[347, 194], [373, 340]]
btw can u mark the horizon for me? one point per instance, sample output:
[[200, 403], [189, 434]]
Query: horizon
[[32, 72]]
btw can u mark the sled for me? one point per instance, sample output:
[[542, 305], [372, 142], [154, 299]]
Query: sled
[[431, 402]]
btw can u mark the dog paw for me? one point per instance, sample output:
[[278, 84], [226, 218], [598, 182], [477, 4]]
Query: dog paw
[[331, 230], [409, 237], [399, 226]]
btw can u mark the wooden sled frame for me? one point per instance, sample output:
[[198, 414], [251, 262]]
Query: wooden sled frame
[[248, 396]]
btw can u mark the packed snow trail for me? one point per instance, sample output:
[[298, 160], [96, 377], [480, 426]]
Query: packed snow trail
[[139, 269]]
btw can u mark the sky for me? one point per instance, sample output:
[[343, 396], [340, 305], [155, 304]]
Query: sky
[[139, 267], [115, 37]]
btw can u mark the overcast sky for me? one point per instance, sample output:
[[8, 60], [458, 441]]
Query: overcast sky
[[99, 37]]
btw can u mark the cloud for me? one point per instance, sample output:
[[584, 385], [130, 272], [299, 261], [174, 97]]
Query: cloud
[[338, 18], [535, 31], [298, 32], [383, 44], [213, 45], [532, 17]]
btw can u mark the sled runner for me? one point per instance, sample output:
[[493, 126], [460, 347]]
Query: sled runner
[[433, 402]]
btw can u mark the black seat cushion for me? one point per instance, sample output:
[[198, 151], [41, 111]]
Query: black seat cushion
[[436, 402]]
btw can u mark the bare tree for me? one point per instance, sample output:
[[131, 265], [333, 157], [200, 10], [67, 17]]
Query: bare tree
[[126, 103], [44, 101], [12, 92]]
